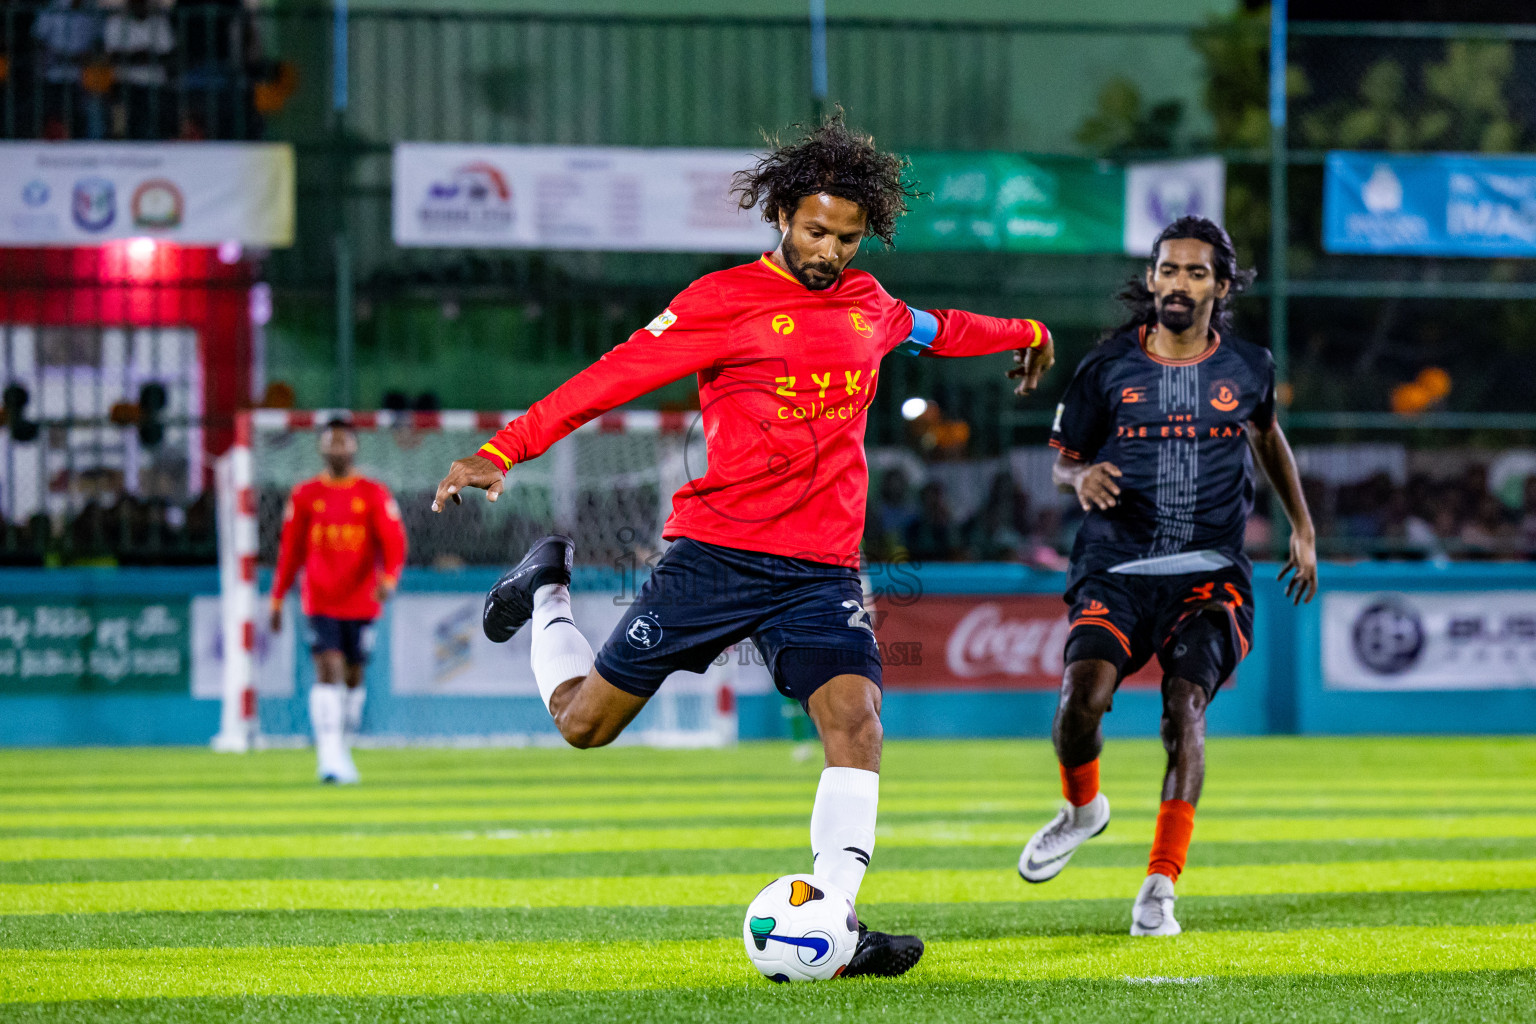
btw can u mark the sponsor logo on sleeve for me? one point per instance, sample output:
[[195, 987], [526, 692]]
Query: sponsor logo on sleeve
[[666, 318]]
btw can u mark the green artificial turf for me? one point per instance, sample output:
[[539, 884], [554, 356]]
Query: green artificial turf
[[1330, 879]]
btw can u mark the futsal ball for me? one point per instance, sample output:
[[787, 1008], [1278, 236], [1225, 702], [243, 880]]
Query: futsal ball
[[800, 929]]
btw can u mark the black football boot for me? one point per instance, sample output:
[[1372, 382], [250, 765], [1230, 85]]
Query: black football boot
[[510, 603]]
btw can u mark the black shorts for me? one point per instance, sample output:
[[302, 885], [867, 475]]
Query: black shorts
[[807, 618], [1199, 625], [352, 637]]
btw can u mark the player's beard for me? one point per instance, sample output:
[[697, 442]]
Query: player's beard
[[338, 466], [1177, 318], [799, 267]]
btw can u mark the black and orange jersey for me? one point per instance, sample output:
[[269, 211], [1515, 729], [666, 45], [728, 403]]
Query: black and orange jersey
[[1177, 430]]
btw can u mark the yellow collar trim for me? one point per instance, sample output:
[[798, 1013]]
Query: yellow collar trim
[[779, 270]]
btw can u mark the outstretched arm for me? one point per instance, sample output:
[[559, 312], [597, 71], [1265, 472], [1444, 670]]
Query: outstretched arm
[[685, 339], [1273, 453], [956, 332]]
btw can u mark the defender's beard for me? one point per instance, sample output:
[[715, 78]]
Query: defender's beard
[[1178, 317]]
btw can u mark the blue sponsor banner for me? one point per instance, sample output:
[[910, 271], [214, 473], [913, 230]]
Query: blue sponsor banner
[[1443, 204]]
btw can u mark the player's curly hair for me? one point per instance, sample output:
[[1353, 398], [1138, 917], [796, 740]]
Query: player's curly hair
[[1138, 298], [828, 157]]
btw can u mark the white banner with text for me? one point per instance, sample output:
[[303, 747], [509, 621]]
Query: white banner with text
[[193, 193], [1410, 640], [574, 197]]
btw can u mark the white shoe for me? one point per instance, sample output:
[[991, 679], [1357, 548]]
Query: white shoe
[[335, 766], [1153, 912], [1048, 851]]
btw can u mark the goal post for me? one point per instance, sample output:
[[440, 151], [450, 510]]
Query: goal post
[[433, 678]]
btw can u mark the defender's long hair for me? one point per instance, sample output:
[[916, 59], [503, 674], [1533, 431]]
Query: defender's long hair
[[1138, 298], [828, 157]]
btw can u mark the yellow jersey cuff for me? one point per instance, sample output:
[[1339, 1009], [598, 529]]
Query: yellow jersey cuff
[[491, 449]]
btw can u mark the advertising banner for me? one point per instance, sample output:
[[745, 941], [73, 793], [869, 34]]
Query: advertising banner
[[1014, 203], [1429, 641], [1444, 204], [574, 197], [981, 642], [68, 645], [274, 654], [1160, 192], [457, 659], [194, 193]]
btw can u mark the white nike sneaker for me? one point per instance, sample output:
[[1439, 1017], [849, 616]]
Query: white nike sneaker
[[1153, 912], [1048, 851]]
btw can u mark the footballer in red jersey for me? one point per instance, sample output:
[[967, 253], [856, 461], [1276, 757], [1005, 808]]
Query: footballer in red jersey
[[344, 532], [787, 352]]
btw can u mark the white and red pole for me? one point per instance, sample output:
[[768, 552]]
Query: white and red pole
[[237, 584]]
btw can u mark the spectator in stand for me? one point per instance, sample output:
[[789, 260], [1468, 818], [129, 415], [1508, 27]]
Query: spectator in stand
[[1488, 533], [999, 531], [1525, 530], [889, 516], [932, 537], [70, 34], [218, 48], [137, 41]]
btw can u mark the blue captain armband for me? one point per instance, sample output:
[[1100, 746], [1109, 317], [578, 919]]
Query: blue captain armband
[[925, 328]]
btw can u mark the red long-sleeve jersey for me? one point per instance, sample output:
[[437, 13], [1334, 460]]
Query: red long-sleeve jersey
[[786, 375], [347, 536]]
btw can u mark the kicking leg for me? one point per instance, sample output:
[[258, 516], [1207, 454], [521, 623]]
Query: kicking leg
[[588, 710], [1087, 692]]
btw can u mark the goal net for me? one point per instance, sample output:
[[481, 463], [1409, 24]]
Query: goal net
[[433, 677]]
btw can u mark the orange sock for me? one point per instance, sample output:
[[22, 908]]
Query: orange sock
[[1170, 845], [1081, 784]]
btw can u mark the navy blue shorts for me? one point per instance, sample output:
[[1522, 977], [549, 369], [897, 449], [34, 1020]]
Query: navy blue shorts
[[807, 618], [352, 637]]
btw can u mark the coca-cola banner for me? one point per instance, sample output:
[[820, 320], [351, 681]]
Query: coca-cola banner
[[976, 641]]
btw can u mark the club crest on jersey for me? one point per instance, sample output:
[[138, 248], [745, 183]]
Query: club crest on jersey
[[643, 633], [1224, 395], [861, 326], [783, 324], [666, 318]]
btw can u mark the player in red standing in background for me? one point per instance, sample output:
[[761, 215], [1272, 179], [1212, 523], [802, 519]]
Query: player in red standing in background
[[344, 531]]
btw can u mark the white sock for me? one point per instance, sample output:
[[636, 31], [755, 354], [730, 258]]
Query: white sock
[[559, 651], [843, 826], [327, 717], [356, 695]]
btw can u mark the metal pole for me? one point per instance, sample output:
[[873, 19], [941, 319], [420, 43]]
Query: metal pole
[[819, 56], [344, 389], [1279, 233]]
